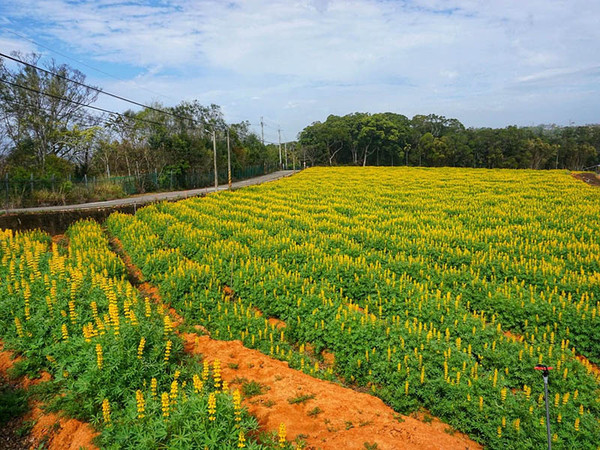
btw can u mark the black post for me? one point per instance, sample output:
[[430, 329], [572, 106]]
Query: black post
[[6, 185], [545, 372]]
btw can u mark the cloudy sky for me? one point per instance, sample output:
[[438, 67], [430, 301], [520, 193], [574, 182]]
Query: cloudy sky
[[487, 63]]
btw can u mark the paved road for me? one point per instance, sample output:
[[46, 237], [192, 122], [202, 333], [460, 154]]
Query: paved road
[[153, 197]]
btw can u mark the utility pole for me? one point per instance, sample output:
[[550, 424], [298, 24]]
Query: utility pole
[[228, 160], [262, 131], [280, 162], [214, 136], [286, 160], [304, 157]]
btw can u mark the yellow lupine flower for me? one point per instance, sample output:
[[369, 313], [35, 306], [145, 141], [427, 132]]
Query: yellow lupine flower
[[164, 400], [141, 404], [282, 435], [106, 411], [212, 406], [99, 356], [140, 350], [168, 351]]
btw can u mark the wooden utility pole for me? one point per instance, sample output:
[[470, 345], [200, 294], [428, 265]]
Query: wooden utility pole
[[286, 160], [262, 131], [228, 160], [214, 136], [280, 161]]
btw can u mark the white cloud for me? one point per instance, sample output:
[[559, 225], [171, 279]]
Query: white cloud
[[301, 60]]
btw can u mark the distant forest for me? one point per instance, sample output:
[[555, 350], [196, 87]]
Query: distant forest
[[432, 140]]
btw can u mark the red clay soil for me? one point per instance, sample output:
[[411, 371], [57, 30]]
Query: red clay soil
[[57, 432], [347, 419], [588, 177]]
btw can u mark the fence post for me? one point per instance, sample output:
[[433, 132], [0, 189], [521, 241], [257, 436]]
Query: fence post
[[85, 179], [31, 183], [7, 187]]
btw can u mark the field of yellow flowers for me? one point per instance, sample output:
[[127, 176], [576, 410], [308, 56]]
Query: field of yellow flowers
[[435, 288], [113, 356]]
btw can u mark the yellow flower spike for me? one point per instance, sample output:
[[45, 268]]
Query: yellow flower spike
[[282, 435], [198, 385], [106, 411], [140, 350], [168, 325], [241, 440], [20, 328], [480, 403], [174, 391], [168, 351], [212, 406], [165, 405], [205, 371], [141, 404], [65, 332], [577, 424], [237, 405], [153, 387], [147, 307], [99, 357], [517, 425]]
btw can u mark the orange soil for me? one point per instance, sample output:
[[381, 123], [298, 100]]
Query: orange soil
[[58, 432], [347, 419]]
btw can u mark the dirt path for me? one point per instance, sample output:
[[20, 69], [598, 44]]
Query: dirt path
[[588, 178], [154, 197], [333, 417], [50, 429]]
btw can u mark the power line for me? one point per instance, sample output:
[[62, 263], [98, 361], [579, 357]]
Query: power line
[[79, 103], [118, 97], [84, 64]]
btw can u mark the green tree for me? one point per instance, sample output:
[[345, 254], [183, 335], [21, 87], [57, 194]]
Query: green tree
[[45, 112]]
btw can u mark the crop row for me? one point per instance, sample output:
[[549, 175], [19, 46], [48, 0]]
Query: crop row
[[113, 356], [412, 278]]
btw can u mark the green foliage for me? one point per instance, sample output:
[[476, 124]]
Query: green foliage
[[13, 402]]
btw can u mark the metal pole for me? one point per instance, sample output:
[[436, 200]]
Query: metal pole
[[280, 162], [545, 375], [215, 159], [262, 131], [545, 372], [228, 160], [286, 160]]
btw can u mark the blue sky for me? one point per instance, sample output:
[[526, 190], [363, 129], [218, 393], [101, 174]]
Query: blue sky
[[487, 63]]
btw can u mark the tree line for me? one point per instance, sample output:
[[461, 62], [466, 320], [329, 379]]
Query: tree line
[[433, 140], [48, 128]]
